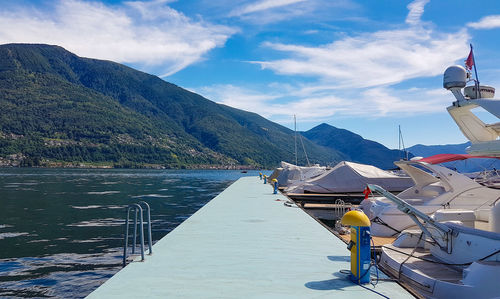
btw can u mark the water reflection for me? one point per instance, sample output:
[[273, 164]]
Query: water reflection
[[61, 230]]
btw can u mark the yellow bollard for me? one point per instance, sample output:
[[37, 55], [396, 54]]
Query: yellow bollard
[[359, 245]]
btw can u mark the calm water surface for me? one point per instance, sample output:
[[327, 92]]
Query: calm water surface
[[61, 230]]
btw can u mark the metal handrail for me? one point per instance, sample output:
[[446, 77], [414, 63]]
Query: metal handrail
[[415, 214], [138, 211], [150, 238], [341, 207]]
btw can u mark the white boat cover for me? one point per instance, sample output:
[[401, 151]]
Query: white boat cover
[[291, 173], [275, 174], [350, 177]]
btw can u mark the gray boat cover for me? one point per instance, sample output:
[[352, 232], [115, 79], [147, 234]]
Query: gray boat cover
[[350, 177], [275, 174], [291, 174]]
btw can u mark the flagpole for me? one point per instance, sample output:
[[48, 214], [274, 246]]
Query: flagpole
[[478, 92]]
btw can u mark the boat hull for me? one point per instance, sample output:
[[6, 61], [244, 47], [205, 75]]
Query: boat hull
[[432, 280]]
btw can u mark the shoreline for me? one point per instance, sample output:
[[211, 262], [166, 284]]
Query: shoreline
[[63, 165]]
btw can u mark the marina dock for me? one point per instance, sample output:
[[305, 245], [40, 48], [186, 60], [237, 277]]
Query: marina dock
[[245, 243]]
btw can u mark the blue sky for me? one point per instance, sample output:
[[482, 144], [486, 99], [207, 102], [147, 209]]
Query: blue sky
[[366, 66]]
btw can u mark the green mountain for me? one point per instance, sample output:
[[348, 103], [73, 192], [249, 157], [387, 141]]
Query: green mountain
[[355, 147], [59, 108]]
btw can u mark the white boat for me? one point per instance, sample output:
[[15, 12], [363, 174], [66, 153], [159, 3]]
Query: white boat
[[290, 173], [483, 137], [350, 177], [455, 251], [445, 259], [436, 187], [275, 174]]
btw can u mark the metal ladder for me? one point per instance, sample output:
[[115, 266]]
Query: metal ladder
[[340, 208], [137, 208]]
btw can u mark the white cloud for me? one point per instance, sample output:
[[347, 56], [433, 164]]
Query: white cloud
[[416, 9], [391, 102], [242, 98], [316, 103], [355, 75], [488, 22], [380, 58], [261, 6], [147, 34], [383, 57], [265, 12]]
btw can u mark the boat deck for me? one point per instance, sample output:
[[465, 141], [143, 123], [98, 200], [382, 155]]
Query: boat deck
[[245, 243], [377, 241], [323, 206], [354, 198], [423, 263]]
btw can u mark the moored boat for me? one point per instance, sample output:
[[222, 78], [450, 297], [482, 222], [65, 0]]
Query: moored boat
[[444, 259], [290, 173], [436, 187], [349, 177], [455, 251]]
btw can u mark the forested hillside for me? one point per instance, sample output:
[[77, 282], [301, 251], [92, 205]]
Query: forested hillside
[[58, 108]]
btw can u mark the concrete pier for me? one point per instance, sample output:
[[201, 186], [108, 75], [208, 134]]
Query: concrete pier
[[245, 243]]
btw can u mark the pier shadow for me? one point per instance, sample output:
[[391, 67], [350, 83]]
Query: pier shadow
[[339, 280], [339, 258]]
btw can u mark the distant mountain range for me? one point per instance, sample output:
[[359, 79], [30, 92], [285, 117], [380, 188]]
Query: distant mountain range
[[59, 109], [469, 165], [431, 150], [355, 147]]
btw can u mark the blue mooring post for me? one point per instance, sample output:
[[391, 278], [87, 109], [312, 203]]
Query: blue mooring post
[[260, 175], [265, 179], [275, 183], [359, 246]]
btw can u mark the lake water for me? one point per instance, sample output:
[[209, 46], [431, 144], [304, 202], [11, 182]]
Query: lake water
[[61, 230]]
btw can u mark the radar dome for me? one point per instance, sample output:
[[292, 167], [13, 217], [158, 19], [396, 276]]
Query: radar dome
[[454, 76]]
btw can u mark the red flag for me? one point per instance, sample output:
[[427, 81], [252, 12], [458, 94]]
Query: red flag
[[367, 192], [469, 62]]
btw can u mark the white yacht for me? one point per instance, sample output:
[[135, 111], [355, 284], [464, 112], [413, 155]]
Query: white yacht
[[435, 187], [445, 259], [455, 251], [439, 187], [483, 137]]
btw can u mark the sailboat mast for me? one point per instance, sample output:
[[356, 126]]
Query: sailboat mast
[[295, 129], [401, 142]]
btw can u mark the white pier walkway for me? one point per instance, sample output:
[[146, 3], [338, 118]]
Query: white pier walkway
[[244, 244]]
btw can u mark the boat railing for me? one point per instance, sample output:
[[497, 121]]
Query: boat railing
[[442, 233], [340, 208], [138, 225]]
